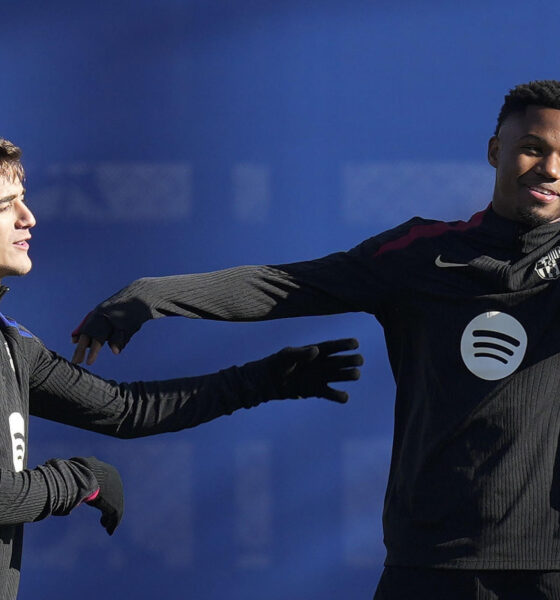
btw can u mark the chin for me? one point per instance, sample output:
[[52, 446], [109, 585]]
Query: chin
[[15, 270], [533, 218]]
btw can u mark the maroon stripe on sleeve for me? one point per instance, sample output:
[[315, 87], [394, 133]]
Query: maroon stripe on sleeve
[[432, 230]]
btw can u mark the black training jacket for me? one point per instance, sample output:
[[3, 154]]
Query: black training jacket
[[471, 316], [34, 380]]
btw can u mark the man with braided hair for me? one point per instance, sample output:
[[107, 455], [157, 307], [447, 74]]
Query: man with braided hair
[[472, 327], [34, 380]]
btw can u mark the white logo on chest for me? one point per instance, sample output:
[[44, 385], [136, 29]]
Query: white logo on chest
[[17, 433], [493, 345]]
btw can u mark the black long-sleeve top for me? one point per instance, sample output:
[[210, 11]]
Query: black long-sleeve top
[[471, 317], [34, 380]]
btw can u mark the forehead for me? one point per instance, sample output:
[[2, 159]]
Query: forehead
[[10, 187], [536, 120]]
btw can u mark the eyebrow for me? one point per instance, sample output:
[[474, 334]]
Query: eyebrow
[[532, 136], [11, 197]]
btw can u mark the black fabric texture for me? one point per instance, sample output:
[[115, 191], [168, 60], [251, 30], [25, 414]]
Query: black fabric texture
[[36, 381], [475, 471], [462, 584]]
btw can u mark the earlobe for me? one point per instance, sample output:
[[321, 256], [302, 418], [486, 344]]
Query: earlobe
[[493, 146]]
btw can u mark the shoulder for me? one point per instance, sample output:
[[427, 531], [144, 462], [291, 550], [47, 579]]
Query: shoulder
[[11, 326], [24, 347], [19, 338], [417, 230]]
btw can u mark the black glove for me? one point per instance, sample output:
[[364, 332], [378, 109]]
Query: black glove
[[306, 371], [96, 328], [110, 500]]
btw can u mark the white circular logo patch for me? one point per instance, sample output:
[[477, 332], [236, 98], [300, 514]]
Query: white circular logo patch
[[493, 345]]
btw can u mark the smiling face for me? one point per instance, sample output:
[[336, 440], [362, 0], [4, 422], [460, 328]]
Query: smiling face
[[526, 156], [15, 222]]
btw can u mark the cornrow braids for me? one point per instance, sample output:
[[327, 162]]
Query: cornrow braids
[[545, 92], [10, 161]]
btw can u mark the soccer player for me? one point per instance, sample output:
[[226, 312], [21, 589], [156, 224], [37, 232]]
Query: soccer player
[[471, 317], [34, 380]]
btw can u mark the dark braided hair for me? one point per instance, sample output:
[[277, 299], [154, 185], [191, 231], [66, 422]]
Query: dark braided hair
[[545, 92]]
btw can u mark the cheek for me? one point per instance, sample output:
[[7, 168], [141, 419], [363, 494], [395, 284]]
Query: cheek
[[522, 165], [510, 170]]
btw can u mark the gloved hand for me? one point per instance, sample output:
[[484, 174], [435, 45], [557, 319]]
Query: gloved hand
[[110, 499], [306, 371], [127, 316]]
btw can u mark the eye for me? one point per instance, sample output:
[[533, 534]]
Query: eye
[[531, 149], [5, 206]]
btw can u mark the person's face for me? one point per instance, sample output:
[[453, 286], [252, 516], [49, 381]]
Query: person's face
[[15, 222], [526, 156]]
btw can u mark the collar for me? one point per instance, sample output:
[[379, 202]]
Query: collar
[[512, 234]]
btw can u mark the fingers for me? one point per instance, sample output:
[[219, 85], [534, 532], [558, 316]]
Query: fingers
[[83, 343], [335, 395], [343, 361], [344, 367], [94, 349], [299, 355], [343, 375], [341, 345], [99, 330], [322, 352]]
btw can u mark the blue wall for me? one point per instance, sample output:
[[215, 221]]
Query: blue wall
[[181, 136]]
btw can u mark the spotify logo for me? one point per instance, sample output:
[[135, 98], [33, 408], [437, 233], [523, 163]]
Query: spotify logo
[[493, 345], [17, 431]]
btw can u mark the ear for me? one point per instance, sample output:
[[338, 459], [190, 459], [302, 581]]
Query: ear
[[493, 148]]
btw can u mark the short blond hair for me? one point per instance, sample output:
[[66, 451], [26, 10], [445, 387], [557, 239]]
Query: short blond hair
[[10, 161]]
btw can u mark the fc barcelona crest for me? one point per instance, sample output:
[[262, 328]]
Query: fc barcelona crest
[[547, 267]]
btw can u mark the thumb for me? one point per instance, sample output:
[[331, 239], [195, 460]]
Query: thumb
[[118, 340]]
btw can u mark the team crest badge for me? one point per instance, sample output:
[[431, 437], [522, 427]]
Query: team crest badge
[[548, 266]]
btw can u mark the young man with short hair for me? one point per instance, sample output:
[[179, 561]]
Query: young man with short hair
[[34, 380], [471, 317]]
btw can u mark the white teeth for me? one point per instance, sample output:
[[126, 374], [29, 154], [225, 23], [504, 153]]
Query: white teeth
[[545, 192]]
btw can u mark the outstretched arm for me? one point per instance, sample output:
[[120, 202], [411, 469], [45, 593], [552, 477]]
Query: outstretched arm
[[340, 282], [63, 392]]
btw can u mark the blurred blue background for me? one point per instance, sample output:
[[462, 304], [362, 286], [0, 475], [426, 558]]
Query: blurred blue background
[[173, 136]]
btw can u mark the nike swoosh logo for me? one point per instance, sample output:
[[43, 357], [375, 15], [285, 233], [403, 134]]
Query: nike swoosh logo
[[444, 265]]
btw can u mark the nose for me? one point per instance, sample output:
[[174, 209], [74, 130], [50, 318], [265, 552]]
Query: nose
[[25, 218], [549, 166]]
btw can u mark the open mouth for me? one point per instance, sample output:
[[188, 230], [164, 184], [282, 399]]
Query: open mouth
[[542, 194]]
